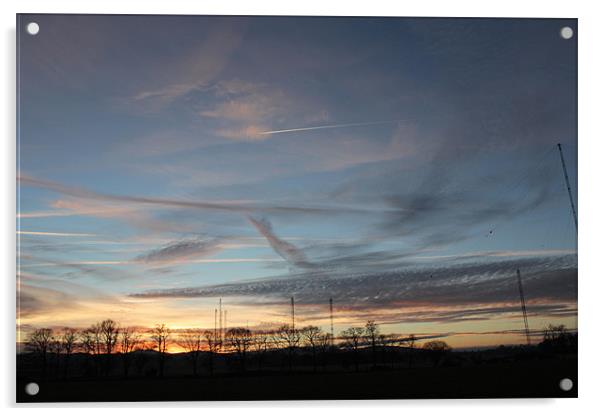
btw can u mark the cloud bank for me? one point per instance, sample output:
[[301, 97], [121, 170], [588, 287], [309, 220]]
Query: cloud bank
[[447, 292]]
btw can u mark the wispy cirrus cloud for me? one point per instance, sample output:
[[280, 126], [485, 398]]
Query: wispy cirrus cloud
[[210, 164], [184, 251], [242, 110], [285, 249], [135, 216], [68, 208], [193, 71], [84, 263], [255, 111], [181, 203], [250, 132], [106, 270], [180, 251], [253, 106], [45, 214]]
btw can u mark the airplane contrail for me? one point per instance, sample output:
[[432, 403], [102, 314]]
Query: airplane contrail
[[329, 126], [54, 234], [178, 203]]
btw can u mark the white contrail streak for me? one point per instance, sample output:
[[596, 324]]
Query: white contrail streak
[[328, 126], [55, 234]]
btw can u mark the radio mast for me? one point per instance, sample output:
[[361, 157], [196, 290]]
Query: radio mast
[[293, 311], [523, 306], [331, 322], [568, 185]]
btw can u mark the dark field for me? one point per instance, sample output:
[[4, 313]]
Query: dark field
[[532, 377]]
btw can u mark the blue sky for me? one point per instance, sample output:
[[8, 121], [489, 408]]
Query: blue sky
[[167, 154]]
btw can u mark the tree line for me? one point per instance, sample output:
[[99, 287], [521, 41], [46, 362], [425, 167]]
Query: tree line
[[107, 345]]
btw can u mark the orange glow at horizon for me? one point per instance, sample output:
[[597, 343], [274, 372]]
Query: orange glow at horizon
[[178, 316]]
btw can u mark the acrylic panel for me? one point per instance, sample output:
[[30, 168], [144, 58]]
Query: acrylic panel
[[292, 208]]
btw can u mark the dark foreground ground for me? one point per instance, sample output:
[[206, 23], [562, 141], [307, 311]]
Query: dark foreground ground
[[526, 379]]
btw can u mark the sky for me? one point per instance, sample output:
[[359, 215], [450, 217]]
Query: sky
[[404, 167]]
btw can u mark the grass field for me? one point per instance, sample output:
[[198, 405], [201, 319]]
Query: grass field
[[532, 378]]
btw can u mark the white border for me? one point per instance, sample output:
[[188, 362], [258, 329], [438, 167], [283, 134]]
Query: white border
[[590, 286]]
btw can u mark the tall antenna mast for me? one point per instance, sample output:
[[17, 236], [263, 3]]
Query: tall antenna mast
[[221, 332], [568, 185], [215, 325], [331, 322], [293, 311], [523, 306]]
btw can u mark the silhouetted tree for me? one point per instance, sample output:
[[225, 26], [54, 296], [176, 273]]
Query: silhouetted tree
[[556, 338], [261, 344], [324, 343], [56, 348], [68, 341], [192, 342], [239, 340], [92, 344], [310, 335], [160, 336], [287, 338], [213, 346], [437, 350], [130, 340], [371, 334], [352, 338], [109, 332], [39, 343], [91, 340]]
